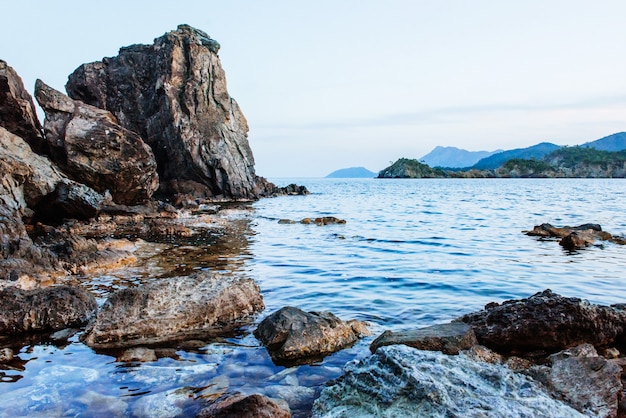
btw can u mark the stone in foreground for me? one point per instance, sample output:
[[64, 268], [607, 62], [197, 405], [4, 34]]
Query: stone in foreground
[[46, 309], [545, 323], [401, 381], [174, 308], [239, 406], [447, 338], [291, 334]]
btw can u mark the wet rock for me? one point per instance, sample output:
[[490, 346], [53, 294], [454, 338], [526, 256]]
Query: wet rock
[[584, 380], [175, 98], [292, 334], [17, 110], [576, 240], [45, 309], [92, 148], [6, 355], [140, 354], [321, 221], [447, 338], [174, 308], [240, 406], [405, 382], [545, 323], [576, 237]]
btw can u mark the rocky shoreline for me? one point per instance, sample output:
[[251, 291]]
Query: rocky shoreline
[[145, 149]]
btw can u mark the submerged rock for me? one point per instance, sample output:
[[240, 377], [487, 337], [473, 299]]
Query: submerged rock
[[174, 308], [545, 323], [92, 148], [47, 309], [574, 237], [292, 334], [173, 94], [240, 406], [447, 338], [405, 382], [17, 110]]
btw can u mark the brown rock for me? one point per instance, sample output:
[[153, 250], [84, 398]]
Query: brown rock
[[545, 323], [47, 309], [17, 110], [577, 240], [239, 406], [175, 97], [6, 355], [447, 338], [175, 308], [90, 146], [292, 334], [138, 354]]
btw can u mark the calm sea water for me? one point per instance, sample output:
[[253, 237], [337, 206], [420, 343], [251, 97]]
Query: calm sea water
[[412, 253]]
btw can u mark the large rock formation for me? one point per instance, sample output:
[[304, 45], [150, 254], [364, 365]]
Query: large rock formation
[[405, 382], [46, 309], [546, 323], [173, 93], [174, 308], [89, 145], [17, 110]]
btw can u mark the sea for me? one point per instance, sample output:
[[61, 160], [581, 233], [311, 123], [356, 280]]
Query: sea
[[412, 253]]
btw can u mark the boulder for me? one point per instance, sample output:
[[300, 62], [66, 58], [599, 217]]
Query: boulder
[[70, 200], [175, 308], [173, 93], [291, 334], [92, 148], [46, 309], [545, 323], [240, 406], [447, 338], [585, 381], [405, 382], [17, 110], [575, 237]]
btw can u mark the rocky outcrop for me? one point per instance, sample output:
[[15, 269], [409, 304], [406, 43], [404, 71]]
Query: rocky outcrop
[[405, 382], [174, 308], [292, 335], [48, 309], [17, 110], [447, 338], [92, 148], [575, 237], [546, 323], [173, 94], [239, 406]]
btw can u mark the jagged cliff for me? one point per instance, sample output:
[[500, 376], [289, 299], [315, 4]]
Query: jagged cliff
[[173, 94]]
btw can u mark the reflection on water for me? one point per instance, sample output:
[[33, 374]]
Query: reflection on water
[[412, 253]]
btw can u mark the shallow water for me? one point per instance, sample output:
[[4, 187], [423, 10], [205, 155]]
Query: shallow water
[[412, 253]]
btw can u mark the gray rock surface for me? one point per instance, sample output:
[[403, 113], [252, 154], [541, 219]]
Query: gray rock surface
[[17, 110], [401, 381], [292, 334], [173, 93], [545, 323], [92, 148], [46, 309], [447, 338], [174, 308]]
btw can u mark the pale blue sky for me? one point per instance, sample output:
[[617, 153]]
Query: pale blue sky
[[333, 84]]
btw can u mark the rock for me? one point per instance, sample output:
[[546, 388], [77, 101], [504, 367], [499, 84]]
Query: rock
[[173, 94], [140, 354], [17, 110], [585, 381], [172, 309], [47, 309], [321, 221], [545, 323], [547, 230], [70, 200], [292, 334], [576, 240], [405, 382], [92, 148], [6, 355], [240, 406], [447, 338]]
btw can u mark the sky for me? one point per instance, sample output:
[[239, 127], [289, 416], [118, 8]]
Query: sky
[[326, 85]]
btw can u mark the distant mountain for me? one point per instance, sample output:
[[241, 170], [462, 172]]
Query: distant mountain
[[615, 142], [496, 160], [352, 172], [452, 157]]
